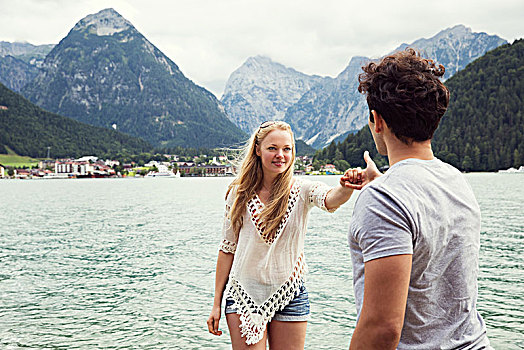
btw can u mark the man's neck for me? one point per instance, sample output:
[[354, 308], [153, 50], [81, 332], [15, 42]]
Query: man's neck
[[397, 150]]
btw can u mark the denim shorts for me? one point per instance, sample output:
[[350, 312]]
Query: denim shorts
[[297, 309]]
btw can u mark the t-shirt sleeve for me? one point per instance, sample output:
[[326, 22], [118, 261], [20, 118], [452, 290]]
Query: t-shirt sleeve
[[229, 237], [381, 226], [316, 195]]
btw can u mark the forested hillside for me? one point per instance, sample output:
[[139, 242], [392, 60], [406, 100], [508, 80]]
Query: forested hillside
[[483, 128], [28, 130]]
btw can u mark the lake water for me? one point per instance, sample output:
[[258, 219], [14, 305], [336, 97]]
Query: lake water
[[129, 263]]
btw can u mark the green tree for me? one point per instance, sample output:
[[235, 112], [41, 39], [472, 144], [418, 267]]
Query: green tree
[[316, 165], [517, 161], [467, 163], [341, 165]]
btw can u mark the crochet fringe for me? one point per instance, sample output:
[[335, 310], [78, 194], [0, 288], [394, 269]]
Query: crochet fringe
[[227, 246], [254, 318]]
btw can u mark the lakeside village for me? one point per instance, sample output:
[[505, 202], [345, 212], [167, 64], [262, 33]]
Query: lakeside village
[[173, 166]]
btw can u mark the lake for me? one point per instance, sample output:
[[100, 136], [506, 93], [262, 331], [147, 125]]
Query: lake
[[129, 263]]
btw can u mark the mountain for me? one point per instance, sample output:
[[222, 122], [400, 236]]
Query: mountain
[[15, 73], [20, 62], [262, 90], [303, 149], [28, 130], [455, 47], [106, 73], [31, 54], [334, 106], [483, 128], [329, 109]]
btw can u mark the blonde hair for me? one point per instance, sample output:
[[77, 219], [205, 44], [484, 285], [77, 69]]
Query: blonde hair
[[249, 180]]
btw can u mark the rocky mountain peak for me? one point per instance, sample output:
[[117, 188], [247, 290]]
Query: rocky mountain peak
[[455, 47], [353, 67], [261, 89], [105, 22], [459, 29], [262, 65], [258, 60]]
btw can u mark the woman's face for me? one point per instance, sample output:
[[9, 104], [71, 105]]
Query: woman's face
[[276, 152]]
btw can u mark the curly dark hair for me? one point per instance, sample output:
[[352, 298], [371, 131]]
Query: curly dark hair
[[405, 90]]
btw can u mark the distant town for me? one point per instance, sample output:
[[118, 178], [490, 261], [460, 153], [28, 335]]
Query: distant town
[[172, 166]]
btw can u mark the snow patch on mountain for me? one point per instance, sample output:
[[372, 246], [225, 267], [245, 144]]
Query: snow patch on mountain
[[106, 22]]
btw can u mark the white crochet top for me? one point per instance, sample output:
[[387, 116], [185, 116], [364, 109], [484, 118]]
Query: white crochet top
[[266, 273]]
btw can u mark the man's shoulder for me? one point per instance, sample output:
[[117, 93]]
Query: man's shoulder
[[379, 192], [410, 181], [411, 173], [421, 165]]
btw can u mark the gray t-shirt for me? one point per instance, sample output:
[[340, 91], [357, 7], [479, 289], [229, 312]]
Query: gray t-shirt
[[427, 209]]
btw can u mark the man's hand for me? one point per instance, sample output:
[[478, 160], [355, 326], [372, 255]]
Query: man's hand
[[358, 178]]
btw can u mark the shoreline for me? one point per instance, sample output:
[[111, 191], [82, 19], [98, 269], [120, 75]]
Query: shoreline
[[215, 176]]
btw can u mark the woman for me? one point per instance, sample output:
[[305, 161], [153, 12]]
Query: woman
[[262, 251]]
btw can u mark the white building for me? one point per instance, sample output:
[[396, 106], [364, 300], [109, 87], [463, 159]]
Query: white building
[[112, 163], [329, 168], [155, 163], [87, 159], [162, 168], [172, 157], [73, 167]]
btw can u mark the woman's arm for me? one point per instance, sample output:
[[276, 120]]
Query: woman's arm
[[224, 262], [337, 196]]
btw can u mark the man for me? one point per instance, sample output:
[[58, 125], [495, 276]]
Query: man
[[415, 231]]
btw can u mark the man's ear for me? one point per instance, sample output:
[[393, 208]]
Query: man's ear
[[378, 125]]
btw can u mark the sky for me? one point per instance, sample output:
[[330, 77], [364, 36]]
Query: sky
[[209, 39]]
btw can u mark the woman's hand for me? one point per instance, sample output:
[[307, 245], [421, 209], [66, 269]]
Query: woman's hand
[[213, 320], [358, 178]]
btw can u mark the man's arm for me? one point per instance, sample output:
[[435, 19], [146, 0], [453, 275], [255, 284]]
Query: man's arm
[[381, 319]]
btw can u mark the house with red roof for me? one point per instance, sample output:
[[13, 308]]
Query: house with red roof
[[22, 173], [329, 169]]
